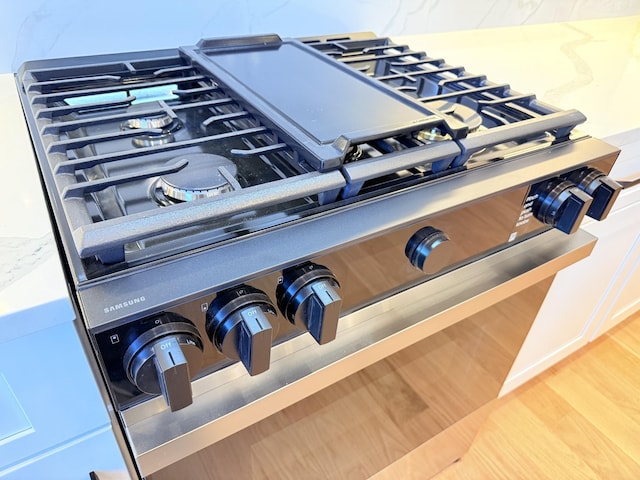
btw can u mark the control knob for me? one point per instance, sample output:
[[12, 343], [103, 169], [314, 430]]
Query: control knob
[[238, 327], [308, 297], [561, 204], [603, 189], [429, 250], [165, 358]]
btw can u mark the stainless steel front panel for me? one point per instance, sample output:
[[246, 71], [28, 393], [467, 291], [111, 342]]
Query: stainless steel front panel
[[164, 285], [369, 267], [229, 400], [367, 271]]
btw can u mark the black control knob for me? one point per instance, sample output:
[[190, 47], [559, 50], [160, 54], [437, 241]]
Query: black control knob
[[603, 189], [165, 358], [237, 326], [308, 297], [561, 204], [429, 250]]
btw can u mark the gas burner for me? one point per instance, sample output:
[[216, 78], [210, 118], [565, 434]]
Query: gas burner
[[205, 175], [466, 115], [158, 129]]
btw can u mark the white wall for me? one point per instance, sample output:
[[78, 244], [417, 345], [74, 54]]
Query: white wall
[[33, 29]]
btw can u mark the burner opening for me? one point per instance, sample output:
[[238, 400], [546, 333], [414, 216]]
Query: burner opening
[[205, 175]]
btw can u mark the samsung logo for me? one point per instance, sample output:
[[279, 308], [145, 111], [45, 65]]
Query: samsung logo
[[125, 304]]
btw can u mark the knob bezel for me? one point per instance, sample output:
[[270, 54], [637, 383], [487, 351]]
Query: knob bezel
[[429, 250], [560, 204], [598, 185], [145, 370], [237, 326], [308, 298]]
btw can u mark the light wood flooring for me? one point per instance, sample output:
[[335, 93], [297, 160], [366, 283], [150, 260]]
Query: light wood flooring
[[578, 420]]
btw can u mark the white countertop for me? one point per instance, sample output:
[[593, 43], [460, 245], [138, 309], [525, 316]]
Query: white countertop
[[33, 294], [593, 66]]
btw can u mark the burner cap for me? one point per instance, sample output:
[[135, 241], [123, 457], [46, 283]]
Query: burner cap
[[203, 177], [161, 121], [158, 128]]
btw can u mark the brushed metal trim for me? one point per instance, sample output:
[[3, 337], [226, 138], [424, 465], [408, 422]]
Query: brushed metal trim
[[227, 401]]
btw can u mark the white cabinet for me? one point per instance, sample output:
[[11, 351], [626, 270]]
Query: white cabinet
[[624, 297], [53, 420], [593, 295], [53, 423]]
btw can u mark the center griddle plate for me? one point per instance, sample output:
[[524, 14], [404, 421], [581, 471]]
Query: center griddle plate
[[310, 98]]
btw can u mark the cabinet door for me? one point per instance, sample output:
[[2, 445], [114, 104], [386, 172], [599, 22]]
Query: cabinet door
[[51, 398], [624, 293], [74, 460]]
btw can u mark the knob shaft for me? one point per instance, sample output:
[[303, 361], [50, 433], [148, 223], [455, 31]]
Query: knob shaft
[[561, 204], [429, 250], [238, 327], [603, 189], [164, 359], [309, 298]]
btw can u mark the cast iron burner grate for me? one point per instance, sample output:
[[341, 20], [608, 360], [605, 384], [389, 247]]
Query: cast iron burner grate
[[308, 126]]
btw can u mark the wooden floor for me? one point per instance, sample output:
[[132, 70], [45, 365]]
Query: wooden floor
[[578, 420]]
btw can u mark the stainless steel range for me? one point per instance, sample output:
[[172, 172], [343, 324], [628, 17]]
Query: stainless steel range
[[252, 224]]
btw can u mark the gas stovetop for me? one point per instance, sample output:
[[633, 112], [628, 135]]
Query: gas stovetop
[[329, 200], [150, 154]]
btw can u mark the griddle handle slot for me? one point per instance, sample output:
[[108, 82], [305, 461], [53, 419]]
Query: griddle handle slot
[[209, 44]]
